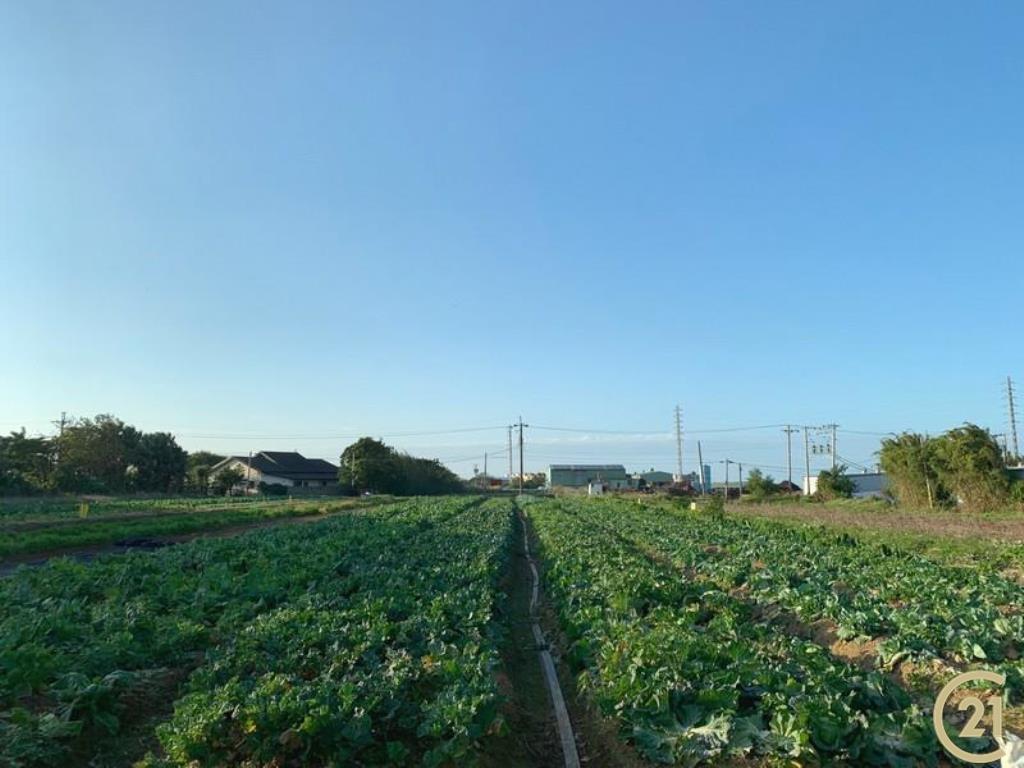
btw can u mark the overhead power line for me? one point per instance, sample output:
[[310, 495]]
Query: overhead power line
[[422, 433], [668, 434]]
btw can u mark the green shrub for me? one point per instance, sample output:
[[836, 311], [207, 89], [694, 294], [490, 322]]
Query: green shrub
[[834, 484], [273, 489]]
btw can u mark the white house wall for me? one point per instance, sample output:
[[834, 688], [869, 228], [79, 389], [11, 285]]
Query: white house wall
[[258, 477]]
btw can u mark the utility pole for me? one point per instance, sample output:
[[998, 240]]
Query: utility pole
[[700, 470], [485, 463], [789, 452], [510, 455], [521, 471], [834, 446], [679, 442], [60, 426], [1013, 418], [727, 463], [807, 462], [741, 479]]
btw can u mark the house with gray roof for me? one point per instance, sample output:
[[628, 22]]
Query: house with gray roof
[[287, 468]]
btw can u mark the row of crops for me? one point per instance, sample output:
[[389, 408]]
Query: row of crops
[[922, 609], [689, 631], [364, 639]]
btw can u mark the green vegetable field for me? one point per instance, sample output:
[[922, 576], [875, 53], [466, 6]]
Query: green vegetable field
[[363, 639], [381, 636], [718, 638]]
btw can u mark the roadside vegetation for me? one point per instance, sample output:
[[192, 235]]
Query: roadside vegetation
[[963, 467], [370, 465]]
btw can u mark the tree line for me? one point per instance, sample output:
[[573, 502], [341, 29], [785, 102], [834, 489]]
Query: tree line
[[93, 455], [370, 465], [963, 467], [103, 454]]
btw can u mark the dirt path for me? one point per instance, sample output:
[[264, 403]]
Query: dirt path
[[597, 738], [86, 553], [531, 740]]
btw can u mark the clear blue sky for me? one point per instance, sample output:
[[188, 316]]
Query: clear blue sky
[[293, 221]]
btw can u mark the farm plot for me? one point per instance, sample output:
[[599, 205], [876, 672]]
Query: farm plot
[[42, 510], [896, 605], [24, 535], [718, 639], [364, 639]]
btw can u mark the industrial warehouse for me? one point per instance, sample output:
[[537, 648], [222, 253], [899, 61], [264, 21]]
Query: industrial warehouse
[[613, 477]]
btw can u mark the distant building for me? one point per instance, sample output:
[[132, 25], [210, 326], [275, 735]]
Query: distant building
[[865, 484], [287, 468], [693, 478], [611, 476], [652, 479]]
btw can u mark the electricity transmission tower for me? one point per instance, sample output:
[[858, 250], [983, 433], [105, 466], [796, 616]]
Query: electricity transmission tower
[[679, 443], [1013, 418]]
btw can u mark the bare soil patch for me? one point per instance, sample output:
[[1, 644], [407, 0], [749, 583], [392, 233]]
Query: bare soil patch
[[529, 739]]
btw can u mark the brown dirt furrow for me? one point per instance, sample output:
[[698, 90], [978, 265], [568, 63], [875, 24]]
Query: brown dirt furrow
[[597, 737]]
